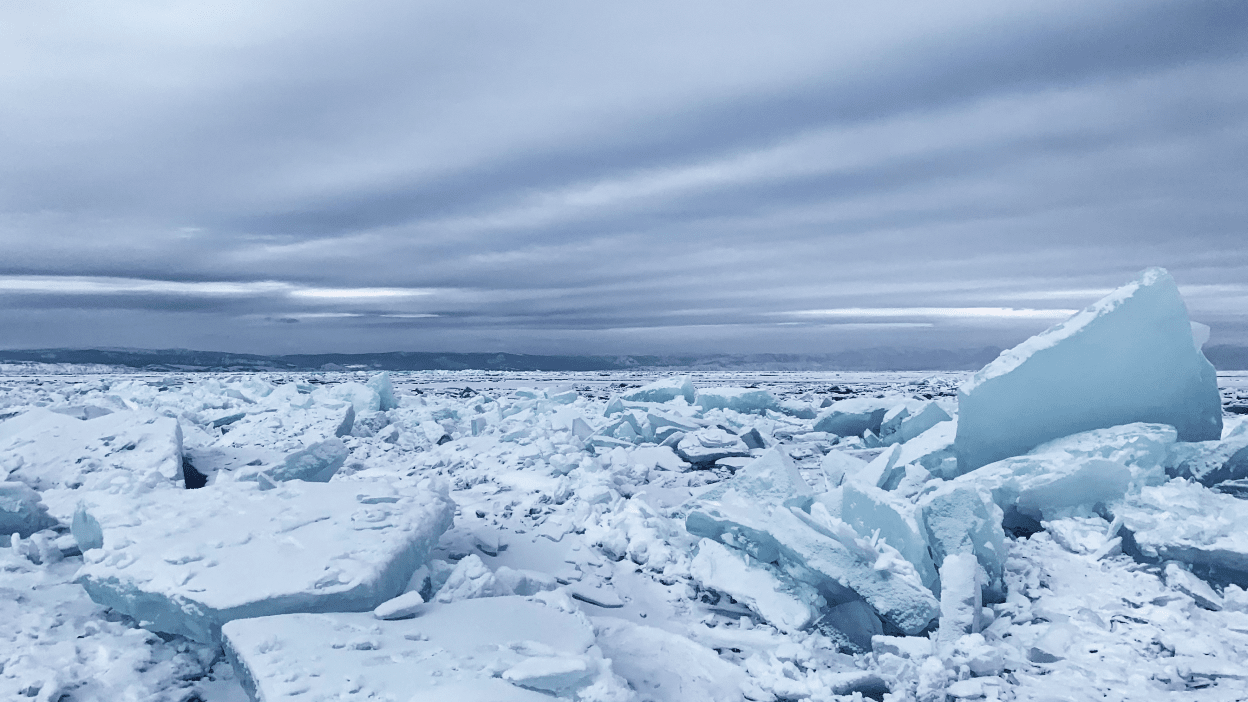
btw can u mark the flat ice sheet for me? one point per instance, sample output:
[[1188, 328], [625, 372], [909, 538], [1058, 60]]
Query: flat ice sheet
[[496, 648], [187, 561]]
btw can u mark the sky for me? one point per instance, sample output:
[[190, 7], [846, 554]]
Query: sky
[[642, 177]]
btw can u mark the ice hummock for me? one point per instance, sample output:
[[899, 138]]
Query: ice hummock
[[234, 551], [1128, 358]]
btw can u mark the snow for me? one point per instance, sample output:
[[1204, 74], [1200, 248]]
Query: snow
[[1128, 358], [587, 559]]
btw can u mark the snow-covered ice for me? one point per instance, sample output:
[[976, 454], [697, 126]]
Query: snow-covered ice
[[234, 551], [589, 557]]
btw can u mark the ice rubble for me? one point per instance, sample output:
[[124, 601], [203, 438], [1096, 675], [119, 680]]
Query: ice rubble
[[1128, 358], [809, 565], [303, 547], [761, 512]]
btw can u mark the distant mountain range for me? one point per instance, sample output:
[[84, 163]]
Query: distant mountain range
[[1223, 357]]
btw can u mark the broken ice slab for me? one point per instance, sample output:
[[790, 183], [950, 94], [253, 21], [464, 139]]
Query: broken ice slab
[[1128, 358], [362, 398], [772, 477], [912, 424], [957, 518], [855, 416], [1182, 580], [1188, 522], [1210, 462], [381, 385], [743, 400], [1073, 475], [869, 510], [837, 465], [21, 511], [705, 446], [788, 606], [933, 450], [959, 597], [315, 464], [232, 551], [664, 390], [665, 667], [52, 450], [498, 648], [760, 511]]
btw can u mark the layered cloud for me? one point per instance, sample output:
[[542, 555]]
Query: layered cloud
[[593, 178]]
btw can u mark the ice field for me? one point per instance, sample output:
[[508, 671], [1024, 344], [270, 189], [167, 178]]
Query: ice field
[[1069, 523]]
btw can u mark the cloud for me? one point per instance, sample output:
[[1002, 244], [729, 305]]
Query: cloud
[[433, 175]]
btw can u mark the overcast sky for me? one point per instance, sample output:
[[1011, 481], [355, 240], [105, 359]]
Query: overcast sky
[[580, 177]]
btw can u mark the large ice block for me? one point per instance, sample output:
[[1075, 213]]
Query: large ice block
[[185, 562], [52, 450], [664, 390], [381, 385], [501, 648], [1128, 358], [705, 446]]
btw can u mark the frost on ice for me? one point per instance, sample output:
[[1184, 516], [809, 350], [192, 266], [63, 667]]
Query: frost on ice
[[1128, 358]]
